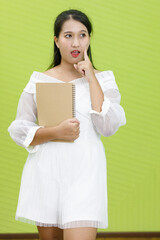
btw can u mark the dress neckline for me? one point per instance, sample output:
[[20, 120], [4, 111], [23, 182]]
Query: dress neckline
[[76, 79]]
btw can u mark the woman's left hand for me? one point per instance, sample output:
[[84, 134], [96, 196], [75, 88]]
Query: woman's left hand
[[85, 67]]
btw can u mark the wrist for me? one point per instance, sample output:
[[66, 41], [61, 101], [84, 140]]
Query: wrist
[[92, 79], [55, 132]]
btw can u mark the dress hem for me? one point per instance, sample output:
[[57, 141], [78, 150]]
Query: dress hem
[[71, 224]]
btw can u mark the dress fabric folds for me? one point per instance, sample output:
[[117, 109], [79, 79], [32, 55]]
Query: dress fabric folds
[[64, 184]]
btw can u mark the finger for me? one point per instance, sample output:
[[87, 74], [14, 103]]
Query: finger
[[75, 120], [85, 54], [83, 72], [75, 65]]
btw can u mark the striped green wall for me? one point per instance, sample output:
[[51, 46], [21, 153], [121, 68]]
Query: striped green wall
[[126, 40]]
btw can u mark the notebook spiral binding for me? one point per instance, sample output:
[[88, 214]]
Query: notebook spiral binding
[[74, 100]]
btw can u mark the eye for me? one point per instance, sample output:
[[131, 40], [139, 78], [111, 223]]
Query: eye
[[68, 35], [83, 34]]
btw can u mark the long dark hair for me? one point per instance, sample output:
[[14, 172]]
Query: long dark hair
[[61, 18]]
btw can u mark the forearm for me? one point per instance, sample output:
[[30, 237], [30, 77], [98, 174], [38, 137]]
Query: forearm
[[95, 90], [44, 135]]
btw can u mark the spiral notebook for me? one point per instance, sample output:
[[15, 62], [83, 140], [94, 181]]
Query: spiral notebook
[[55, 103]]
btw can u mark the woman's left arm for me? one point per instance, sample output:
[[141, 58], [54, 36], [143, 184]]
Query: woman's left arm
[[107, 114]]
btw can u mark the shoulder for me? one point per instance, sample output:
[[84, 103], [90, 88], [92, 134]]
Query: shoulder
[[105, 73], [52, 70], [96, 71], [107, 80], [30, 87], [49, 71]]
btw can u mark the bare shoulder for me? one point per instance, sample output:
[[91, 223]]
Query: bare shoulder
[[46, 71], [51, 72], [96, 71]]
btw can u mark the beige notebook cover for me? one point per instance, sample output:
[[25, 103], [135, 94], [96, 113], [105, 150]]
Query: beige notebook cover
[[55, 103]]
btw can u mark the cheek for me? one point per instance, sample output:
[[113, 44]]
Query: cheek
[[64, 43], [86, 44], [64, 47]]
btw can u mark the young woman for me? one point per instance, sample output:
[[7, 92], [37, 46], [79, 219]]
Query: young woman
[[64, 184]]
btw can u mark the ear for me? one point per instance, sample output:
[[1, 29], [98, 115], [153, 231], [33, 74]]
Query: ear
[[56, 41]]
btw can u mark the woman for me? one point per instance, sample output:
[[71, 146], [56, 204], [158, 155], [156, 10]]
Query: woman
[[64, 185]]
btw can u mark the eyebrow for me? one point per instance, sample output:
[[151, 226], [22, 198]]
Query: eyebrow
[[79, 31]]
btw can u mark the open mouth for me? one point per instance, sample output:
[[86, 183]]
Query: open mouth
[[75, 53]]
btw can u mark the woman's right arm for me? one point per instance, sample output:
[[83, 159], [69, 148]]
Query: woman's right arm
[[45, 134], [24, 130], [26, 133]]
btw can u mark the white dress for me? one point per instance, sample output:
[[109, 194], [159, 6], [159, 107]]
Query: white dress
[[64, 184]]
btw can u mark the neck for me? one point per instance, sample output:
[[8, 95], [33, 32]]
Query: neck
[[67, 67]]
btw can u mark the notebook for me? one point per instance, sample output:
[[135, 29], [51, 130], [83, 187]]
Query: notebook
[[55, 103]]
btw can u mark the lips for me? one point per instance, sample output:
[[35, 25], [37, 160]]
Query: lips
[[75, 53]]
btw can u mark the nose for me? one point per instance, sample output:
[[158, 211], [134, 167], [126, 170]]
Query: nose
[[75, 42]]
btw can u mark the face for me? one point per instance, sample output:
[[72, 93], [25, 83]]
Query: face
[[73, 36]]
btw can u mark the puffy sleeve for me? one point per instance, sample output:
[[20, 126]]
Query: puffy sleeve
[[24, 127], [112, 116]]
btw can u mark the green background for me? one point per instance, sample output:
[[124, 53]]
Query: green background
[[125, 40]]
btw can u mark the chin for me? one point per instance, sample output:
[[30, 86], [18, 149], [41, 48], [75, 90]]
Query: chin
[[75, 61]]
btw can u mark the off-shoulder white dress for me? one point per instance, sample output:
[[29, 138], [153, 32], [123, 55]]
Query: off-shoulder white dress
[[64, 184]]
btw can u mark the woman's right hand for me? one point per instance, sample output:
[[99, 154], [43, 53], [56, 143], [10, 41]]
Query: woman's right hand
[[69, 129]]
